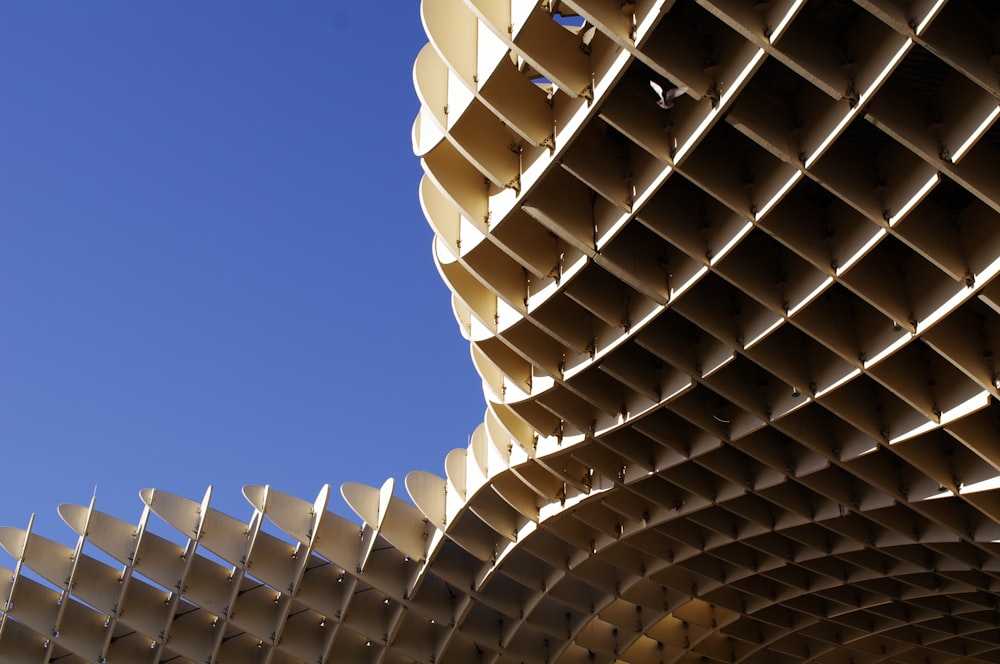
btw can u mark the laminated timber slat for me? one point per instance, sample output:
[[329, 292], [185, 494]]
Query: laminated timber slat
[[738, 351]]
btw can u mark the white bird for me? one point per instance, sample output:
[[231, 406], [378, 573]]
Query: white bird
[[666, 99]]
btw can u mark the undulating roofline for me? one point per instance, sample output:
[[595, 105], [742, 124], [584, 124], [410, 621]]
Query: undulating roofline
[[727, 273]]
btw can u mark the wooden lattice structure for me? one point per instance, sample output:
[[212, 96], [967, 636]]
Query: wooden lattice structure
[[738, 345]]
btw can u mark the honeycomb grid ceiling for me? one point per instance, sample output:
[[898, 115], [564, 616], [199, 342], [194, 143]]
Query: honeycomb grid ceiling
[[737, 349]]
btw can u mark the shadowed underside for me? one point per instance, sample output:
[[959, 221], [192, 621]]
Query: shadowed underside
[[726, 269]]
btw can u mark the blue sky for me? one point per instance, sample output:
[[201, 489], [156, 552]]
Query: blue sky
[[213, 264]]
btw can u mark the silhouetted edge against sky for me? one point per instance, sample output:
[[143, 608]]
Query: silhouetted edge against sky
[[213, 264]]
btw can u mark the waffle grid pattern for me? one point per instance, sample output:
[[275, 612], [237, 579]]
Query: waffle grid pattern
[[737, 349]]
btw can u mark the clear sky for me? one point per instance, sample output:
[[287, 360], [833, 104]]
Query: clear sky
[[213, 264]]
